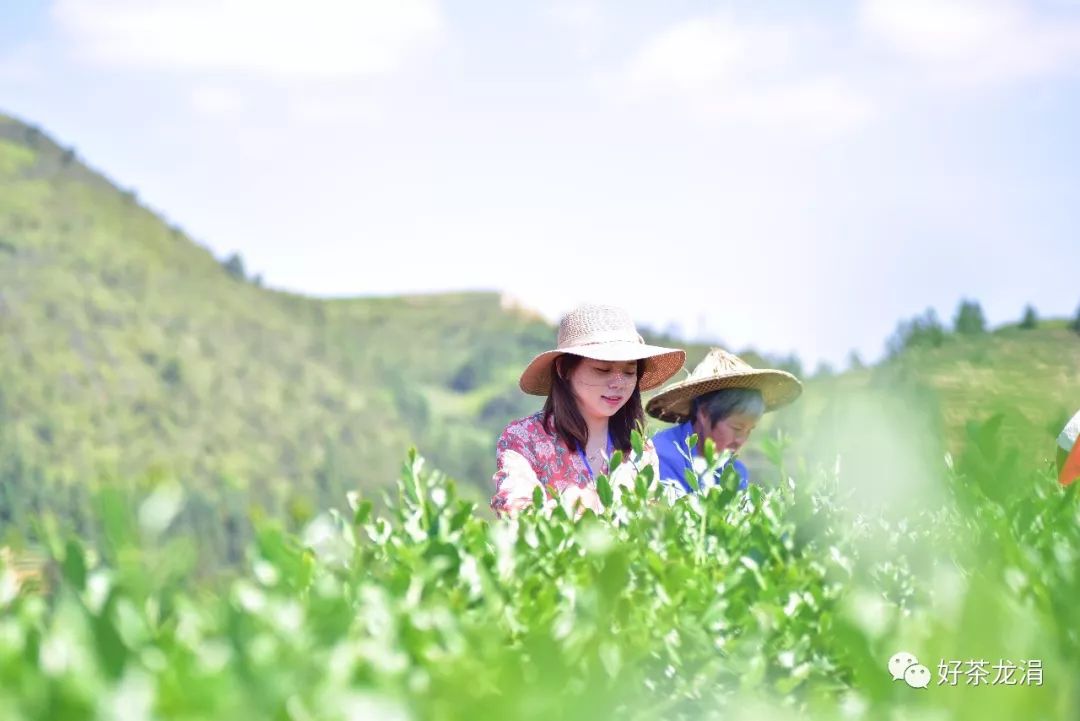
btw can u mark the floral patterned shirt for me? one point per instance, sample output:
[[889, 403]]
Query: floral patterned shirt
[[529, 455]]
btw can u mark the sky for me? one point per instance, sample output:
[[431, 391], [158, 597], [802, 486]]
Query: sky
[[795, 177]]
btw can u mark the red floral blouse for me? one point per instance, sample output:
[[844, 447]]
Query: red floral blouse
[[529, 455]]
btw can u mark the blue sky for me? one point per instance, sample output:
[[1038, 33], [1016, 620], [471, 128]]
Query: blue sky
[[795, 177]]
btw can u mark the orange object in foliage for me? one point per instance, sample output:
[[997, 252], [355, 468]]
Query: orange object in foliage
[[1071, 470]]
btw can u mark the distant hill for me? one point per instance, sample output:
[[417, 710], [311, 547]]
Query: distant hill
[[890, 425], [127, 351]]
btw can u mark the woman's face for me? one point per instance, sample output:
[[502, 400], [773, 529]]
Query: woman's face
[[728, 433], [603, 387]]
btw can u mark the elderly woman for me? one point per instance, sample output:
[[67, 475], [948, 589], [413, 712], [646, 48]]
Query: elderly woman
[[723, 399], [592, 383]]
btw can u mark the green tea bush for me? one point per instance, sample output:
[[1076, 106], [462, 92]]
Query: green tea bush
[[776, 602]]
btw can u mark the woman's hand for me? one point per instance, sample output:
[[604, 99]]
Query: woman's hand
[[516, 486], [576, 499]]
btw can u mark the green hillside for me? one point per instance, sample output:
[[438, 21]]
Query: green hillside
[[127, 351], [1030, 376], [889, 426]]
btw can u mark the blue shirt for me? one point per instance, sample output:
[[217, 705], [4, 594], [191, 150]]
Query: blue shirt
[[671, 449]]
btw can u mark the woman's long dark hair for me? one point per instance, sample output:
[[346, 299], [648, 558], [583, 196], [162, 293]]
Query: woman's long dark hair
[[562, 417]]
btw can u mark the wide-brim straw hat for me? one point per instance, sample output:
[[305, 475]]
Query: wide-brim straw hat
[[719, 370], [602, 333]]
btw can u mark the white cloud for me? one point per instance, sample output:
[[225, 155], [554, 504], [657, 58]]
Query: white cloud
[[974, 41], [326, 109], [821, 104], [273, 39], [754, 73], [706, 54], [215, 100]]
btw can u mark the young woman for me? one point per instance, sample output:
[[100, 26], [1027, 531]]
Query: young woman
[[723, 399], [592, 382]]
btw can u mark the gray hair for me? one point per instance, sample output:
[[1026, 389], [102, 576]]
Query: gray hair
[[725, 402]]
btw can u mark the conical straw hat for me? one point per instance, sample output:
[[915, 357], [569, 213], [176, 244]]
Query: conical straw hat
[[602, 333], [721, 369]]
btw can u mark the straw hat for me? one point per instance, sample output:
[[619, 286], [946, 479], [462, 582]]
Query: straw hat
[[603, 333], [721, 369]]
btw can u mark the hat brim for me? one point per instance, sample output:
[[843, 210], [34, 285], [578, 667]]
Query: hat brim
[[660, 363], [672, 405]]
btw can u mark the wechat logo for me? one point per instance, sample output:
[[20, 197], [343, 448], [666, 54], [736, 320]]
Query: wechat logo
[[903, 666]]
